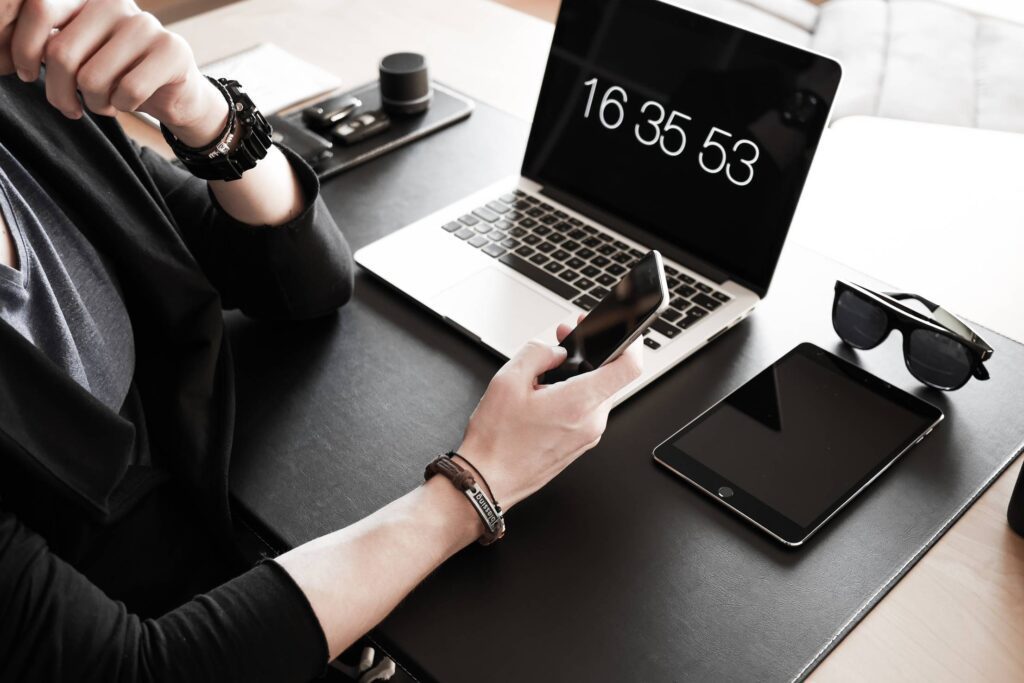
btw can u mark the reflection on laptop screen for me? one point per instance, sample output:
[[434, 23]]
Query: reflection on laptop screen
[[688, 128]]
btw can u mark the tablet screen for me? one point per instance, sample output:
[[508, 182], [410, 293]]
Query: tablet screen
[[805, 434]]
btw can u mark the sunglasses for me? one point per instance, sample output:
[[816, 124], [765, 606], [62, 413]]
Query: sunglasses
[[939, 349]]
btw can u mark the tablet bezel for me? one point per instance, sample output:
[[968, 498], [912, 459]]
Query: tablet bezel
[[755, 510]]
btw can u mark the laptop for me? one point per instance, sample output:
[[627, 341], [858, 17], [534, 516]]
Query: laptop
[[656, 128]]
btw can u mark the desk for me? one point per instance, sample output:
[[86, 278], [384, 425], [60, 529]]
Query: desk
[[958, 614]]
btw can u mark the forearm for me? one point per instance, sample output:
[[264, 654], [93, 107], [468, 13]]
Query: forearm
[[354, 577], [268, 194]]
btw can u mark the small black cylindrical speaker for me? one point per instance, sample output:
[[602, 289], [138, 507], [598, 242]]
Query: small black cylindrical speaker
[[404, 84], [1015, 513]]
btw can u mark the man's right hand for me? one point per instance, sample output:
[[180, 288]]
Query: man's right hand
[[523, 434]]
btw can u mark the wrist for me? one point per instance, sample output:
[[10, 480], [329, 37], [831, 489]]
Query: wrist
[[462, 525], [211, 114]]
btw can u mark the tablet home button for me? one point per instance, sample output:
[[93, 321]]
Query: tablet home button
[[725, 492]]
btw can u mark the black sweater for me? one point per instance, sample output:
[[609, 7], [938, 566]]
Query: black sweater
[[73, 493]]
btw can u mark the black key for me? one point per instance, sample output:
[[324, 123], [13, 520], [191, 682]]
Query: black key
[[607, 280], [577, 234], [606, 250], [519, 193], [524, 251], [508, 198], [666, 329], [531, 199], [514, 216], [615, 269], [591, 271], [679, 303], [494, 250], [670, 314], [509, 243], [556, 237], [465, 234], [561, 214], [531, 239], [706, 301], [576, 221], [686, 278], [650, 343], [599, 292], [586, 302], [479, 241], [703, 287], [483, 228], [535, 212], [452, 227], [604, 237], [636, 253], [521, 205], [622, 245], [576, 263], [692, 317], [539, 258], [528, 223], [591, 230], [541, 230], [546, 206], [546, 247], [584, 283], [560, 255], [486, 214], [686, 290], [563, 227], [600, 261], [469, 219], [539, 276], [553, 267], [622, 257], [570, 245], [591, 242], [722, 296], [498, 207], [672, 282], [585, 253], [696, 312], [671, 271], [504, 225], [569, 275], [517, 231], [548, 220]]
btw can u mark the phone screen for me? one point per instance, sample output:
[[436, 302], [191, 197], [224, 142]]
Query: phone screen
[[619, 316]]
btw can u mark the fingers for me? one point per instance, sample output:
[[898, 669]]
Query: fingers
[[534, 359], [563, 330], [167, 62], [132, 40], [6, 64], [35, 22], [604, 382], [74, 45]]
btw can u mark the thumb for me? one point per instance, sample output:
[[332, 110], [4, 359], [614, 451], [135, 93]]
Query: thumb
[[536, 358]]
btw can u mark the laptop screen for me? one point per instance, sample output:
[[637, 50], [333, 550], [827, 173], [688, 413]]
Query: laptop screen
[[692, 130]]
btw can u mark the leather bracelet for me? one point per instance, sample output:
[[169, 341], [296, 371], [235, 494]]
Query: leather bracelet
[[476, 472], [463, 480]]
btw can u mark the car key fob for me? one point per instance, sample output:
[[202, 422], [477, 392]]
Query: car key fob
[[361, 127], [308, 145], [330, 112]]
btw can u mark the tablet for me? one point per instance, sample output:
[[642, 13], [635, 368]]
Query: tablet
[[799, 441]]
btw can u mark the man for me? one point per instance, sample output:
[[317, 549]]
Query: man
[[116, 387]]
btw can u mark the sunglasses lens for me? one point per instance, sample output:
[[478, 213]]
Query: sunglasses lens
[[938, 360], [859, 322]]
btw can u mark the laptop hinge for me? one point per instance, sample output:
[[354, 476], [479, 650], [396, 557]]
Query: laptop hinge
[[668, 249]]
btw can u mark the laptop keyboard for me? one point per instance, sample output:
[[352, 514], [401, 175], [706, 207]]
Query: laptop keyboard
[[577, 261]]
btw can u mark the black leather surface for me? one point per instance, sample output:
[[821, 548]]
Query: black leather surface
[[616, 571]]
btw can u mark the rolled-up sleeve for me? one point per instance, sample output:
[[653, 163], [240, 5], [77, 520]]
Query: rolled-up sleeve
[[301, 269], [57, 626]]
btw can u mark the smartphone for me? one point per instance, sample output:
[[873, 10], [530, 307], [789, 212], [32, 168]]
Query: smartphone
[[616, 322]]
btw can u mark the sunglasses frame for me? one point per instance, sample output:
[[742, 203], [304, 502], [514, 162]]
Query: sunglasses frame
[[906, 320]]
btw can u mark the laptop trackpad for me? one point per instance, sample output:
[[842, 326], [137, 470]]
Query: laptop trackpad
[[504, 313]]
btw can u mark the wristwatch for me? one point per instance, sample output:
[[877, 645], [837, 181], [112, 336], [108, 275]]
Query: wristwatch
[[244, 140]]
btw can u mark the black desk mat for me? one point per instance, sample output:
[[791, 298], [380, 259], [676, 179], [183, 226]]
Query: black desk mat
[[616, 571]]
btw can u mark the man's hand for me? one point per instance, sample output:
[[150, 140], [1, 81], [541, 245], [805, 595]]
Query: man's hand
[[522, 435], [118, 57]]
